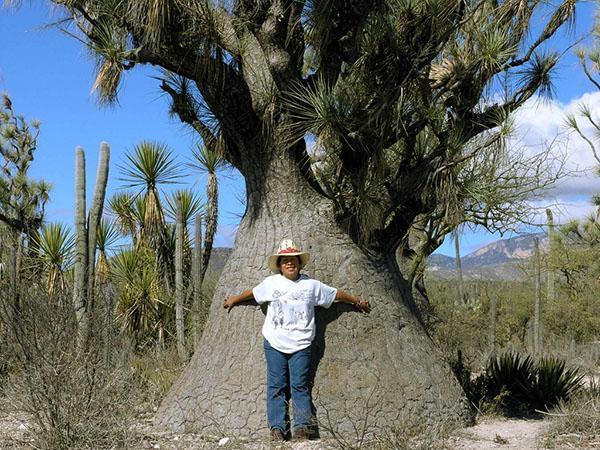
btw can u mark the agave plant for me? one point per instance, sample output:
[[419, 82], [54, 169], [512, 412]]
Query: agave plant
[[55, 244], [508, 378], [518, 385], [553, 382]]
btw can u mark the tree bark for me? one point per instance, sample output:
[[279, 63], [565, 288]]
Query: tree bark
[[376, 370]]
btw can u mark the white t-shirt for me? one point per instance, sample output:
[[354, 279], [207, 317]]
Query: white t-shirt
[[290, 322]]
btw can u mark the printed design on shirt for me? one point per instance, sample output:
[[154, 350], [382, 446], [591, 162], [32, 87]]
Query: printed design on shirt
[[289, 309]]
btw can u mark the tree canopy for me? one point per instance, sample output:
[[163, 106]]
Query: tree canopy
[[399, 100]]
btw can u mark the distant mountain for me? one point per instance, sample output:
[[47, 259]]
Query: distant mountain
[[504, 251], [218, 258], [440, 262], [505, 259]]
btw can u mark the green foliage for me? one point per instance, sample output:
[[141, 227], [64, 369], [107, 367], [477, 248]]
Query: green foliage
[[508, 378], [466, 327], [56, 245], [399, 94], [148, 165], [22, 200], [516, 385], [190, 205], [140, 296], [553, 383]]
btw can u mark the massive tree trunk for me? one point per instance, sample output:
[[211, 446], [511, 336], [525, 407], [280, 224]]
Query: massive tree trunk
[[382, 366]]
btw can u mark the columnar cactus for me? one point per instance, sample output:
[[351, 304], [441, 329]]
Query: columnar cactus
[[551, 254], [85, 235], [179, 288], [537, 330], [96, 214], [81, 241]]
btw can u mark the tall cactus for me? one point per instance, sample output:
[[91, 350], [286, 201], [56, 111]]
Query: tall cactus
[[179, 288], [537, 331], [85, 236], [551, 255], [81, 241], [96, 214]]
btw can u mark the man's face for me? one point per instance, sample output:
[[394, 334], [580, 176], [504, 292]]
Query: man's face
[[290, 266]]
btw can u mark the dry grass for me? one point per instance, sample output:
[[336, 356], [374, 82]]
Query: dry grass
[[576, 424], [69, 397]]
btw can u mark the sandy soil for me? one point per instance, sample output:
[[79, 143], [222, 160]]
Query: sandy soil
[[500, 433]]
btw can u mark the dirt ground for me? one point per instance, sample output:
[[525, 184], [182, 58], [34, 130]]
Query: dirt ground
[[489, 434]]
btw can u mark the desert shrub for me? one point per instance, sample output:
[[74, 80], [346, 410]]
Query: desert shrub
[[574, 315], [70, 397], [507, 378], [465, 327]]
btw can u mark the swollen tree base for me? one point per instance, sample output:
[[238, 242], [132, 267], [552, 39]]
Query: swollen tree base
[[372, 372]]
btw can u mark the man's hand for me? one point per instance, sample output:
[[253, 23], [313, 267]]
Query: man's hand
[[363, 306], [229, 303]]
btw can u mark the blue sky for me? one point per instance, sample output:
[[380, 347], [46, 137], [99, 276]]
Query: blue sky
[[49, 77]]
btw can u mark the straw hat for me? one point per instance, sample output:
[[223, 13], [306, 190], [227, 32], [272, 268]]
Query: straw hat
[[287, 248]]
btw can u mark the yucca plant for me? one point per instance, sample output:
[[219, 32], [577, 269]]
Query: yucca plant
[[139, 293], [56, 244], [149, 165], [209, 162], [107, 236], [190, 205], [122, 207]]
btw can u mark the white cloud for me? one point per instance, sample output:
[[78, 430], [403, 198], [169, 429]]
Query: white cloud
[[569, 207], [540, 123]]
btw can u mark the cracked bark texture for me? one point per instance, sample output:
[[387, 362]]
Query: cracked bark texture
[[381, 365]]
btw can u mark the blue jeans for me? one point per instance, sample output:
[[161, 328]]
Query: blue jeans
[[285, 373]]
